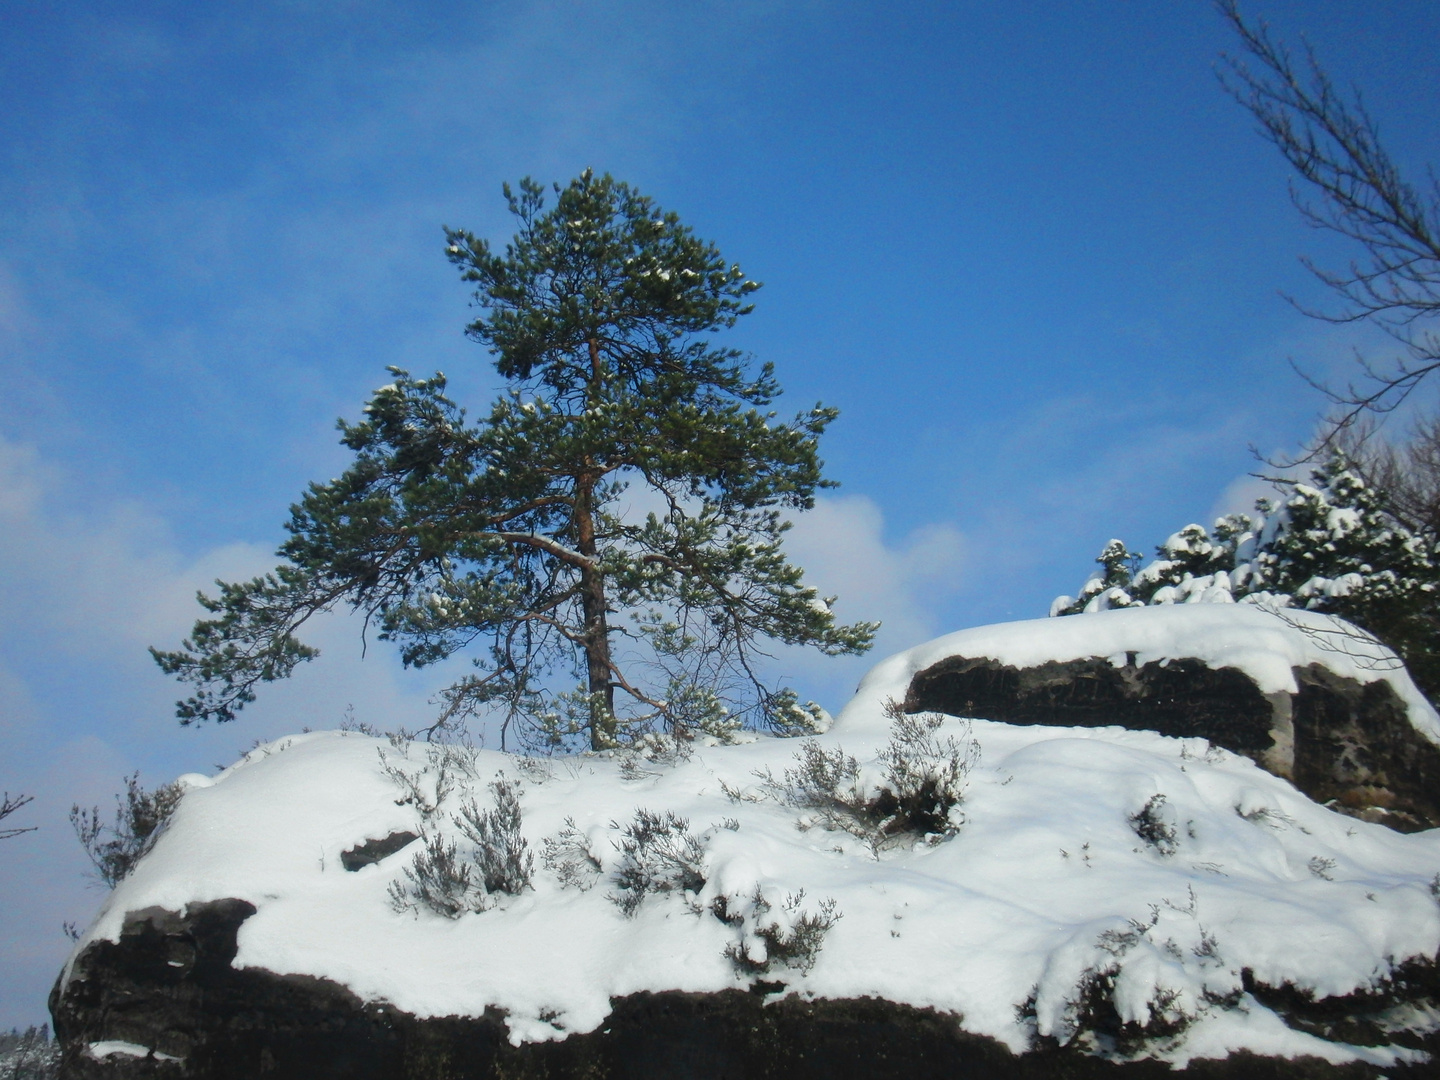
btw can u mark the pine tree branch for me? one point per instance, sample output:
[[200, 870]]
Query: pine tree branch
[[545, 544]]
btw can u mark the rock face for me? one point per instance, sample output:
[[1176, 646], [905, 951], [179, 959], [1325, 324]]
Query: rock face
[[1344, 743], [372, 851], [165, 1002]]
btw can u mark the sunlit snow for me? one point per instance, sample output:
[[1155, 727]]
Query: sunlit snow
[[1045, 882]]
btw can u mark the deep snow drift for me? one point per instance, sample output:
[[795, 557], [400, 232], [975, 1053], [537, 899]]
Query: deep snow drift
[[1056, 872]]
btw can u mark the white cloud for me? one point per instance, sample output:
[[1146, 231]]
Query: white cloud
[[843, 548], [86, 592], [1240, 495], [107, 580]]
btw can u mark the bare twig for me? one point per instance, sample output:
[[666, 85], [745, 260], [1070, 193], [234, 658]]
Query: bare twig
[[8, 805], [1350, 186]]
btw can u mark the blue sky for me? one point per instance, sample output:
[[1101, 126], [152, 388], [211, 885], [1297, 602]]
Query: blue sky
[[1031, 251]]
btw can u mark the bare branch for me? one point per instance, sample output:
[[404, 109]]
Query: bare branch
[[1349, 185], [8, 805]]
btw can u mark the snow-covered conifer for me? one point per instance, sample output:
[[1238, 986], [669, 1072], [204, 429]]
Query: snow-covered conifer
[[1328, 545], [510, 537], [1108, 587]]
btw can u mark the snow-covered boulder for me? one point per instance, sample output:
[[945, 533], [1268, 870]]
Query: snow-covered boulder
[[1307, 696], [903, 895]]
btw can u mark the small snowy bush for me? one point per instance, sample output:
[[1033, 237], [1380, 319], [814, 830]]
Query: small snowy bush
[[790, 937], [440, 881], [1155, 824], [1267, 816], [1141, 985], [1094, 1012], [501, 854], [922, 781], [925, 775], [827, 781], [444, 881], [658, 853], [447, 768], [570, 857], [140, 817]]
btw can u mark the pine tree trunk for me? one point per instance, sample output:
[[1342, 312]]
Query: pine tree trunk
[[597, 629], [592, 591]]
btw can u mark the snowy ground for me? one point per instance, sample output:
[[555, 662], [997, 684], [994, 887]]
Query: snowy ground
[[1049, 879]]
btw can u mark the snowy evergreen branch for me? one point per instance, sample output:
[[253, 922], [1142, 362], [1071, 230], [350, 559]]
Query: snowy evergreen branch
[[1329, 546]]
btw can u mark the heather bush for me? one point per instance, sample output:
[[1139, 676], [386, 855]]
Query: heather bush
[[921, 784], [450, 881], [570, 857], [448, 767], [1155, 824], [502, 857], [439, 880], [140, 817], [658, 854], [790, 936]]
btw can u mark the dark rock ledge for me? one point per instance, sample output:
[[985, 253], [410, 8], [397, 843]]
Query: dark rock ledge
[[1346, 744], [168, 985], [372, 851]]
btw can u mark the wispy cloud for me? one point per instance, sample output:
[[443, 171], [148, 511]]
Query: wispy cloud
[[901, 583]]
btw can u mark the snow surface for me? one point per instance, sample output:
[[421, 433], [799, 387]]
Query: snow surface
[[1045, 882]]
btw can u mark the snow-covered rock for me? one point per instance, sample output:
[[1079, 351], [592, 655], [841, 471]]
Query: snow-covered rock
[[1099, 894], [1307, 696]]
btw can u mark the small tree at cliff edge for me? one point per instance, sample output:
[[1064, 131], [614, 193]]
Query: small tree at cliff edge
[[512, 535]]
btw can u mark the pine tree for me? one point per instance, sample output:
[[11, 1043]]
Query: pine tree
[[511, 534], [1192, 561], [1335, 548], [1329, 545], [1109, 587]]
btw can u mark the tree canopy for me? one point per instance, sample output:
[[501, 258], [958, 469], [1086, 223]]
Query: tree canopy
[[615, 520]]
